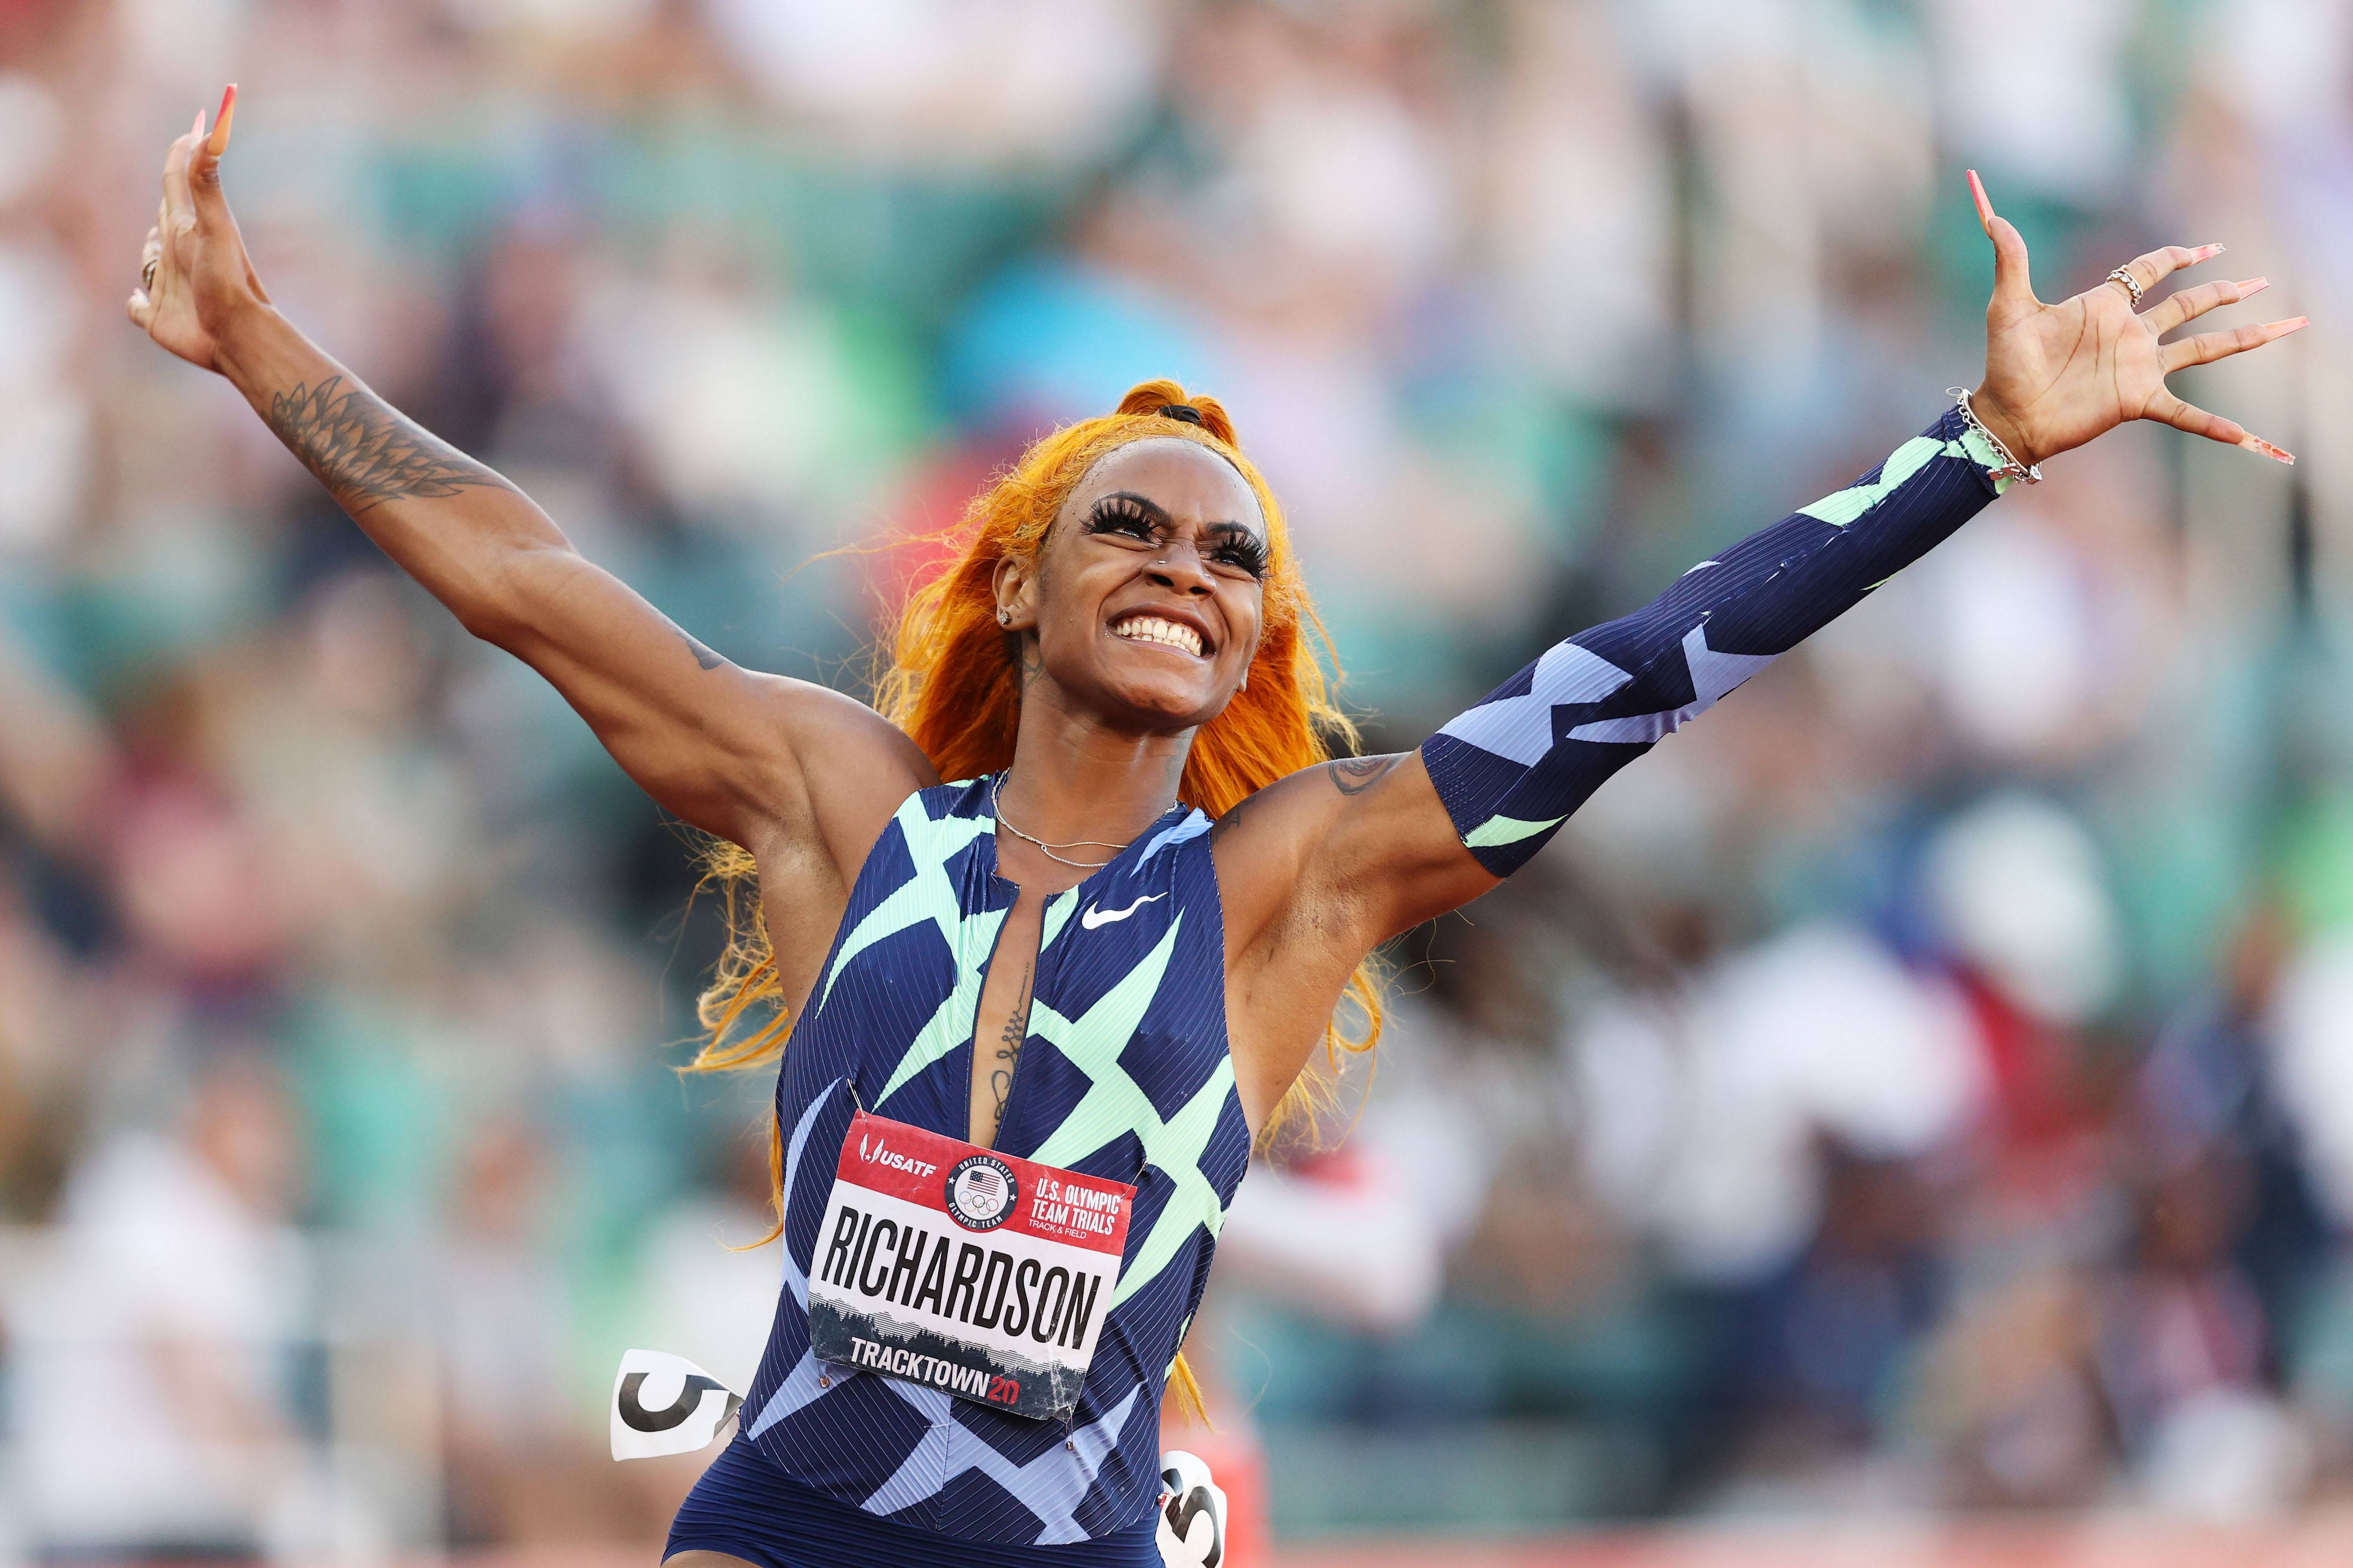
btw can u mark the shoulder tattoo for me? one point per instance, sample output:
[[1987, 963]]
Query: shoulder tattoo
[[703, 654], [1354, 776]]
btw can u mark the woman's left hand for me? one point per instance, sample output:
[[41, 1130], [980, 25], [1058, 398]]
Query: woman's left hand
[[2057, 375]]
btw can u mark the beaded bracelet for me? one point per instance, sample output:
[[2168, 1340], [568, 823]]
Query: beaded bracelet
[[2011, 468]]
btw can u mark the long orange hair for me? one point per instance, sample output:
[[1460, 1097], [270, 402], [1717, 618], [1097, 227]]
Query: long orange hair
[[950, 685]]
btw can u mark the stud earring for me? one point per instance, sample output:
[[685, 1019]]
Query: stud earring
[[1004, 617]]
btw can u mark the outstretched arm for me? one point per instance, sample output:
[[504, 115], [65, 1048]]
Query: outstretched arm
[[1510, 770], [718, 746], [1324, 865], [1360, 849]]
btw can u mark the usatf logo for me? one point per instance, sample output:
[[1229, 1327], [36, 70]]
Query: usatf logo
[[981, 1192], [881, 1154]]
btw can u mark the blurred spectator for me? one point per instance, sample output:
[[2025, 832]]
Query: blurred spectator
[[1704, 1116], [518, 1468], [157, 1366]]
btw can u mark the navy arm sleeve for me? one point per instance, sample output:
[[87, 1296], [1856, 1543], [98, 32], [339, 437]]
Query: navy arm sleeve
[[1511, 769]]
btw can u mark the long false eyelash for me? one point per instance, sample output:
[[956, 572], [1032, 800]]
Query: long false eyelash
[[1122, 514], [1117, 514], [1243, 552]]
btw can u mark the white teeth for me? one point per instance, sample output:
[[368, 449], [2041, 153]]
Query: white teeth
[[1152, 629]]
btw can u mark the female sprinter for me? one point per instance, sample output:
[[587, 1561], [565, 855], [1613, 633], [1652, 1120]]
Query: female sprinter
[[1098, 957]]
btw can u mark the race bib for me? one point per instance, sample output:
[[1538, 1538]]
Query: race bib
[[981, 1273]]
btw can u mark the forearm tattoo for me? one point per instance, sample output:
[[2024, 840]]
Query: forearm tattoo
[[1010, 1041], [364, 451]]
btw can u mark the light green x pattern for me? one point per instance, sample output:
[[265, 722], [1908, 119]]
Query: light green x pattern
[[1502, 830], [1114, 1103], [929, 895]]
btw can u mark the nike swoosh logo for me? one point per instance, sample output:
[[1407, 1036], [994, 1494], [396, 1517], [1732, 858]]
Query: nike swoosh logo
[[1099, 916]]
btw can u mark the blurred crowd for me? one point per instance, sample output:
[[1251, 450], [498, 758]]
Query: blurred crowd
[[1928, 1082]]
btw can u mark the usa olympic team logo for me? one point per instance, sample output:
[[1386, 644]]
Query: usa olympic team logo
[[981, 1192]]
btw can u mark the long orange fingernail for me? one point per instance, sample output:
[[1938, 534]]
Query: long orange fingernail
[[2257, 444], [2206, 253], [1985, 206], [2293, 324], [219, 143], [197, 130], [2249, 288]]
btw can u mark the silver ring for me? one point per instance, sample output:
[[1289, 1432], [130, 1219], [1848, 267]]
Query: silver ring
[[2131, 287], [147, 273]]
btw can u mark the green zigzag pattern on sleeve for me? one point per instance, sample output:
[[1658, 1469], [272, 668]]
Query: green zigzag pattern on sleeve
[[1843, 506]]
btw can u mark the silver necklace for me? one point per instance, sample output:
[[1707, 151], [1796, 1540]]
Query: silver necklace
[[996, 807]]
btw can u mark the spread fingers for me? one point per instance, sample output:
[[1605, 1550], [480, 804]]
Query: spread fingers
[[2208, 347], [2150, 270], [2189, 304], [2188, 417], [2171, 410]]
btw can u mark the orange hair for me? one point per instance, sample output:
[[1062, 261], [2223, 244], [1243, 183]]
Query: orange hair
[[951, 686]]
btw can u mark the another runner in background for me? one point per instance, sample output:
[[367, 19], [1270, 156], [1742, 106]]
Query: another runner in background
[[1111, 950]]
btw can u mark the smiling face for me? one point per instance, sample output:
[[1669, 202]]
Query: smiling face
[[1143, 606]]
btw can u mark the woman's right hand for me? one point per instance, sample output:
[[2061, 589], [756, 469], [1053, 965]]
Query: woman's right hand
[[202, 280]]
